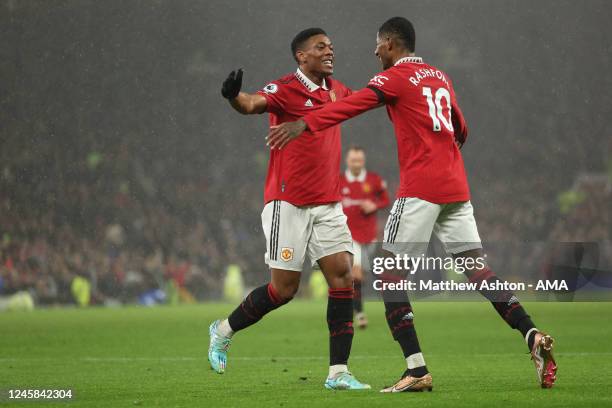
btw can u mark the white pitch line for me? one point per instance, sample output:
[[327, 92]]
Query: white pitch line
[[278, 358]]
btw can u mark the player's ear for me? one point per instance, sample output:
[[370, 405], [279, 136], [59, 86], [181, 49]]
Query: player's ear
[[300, 56]]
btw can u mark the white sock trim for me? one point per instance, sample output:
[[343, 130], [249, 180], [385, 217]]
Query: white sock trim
[[415, 360], [528, 334], [225, 329], [337, 369]]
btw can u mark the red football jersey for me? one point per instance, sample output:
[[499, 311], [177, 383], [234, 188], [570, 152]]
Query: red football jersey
[[305, 171], [355, 190], [421, 103]]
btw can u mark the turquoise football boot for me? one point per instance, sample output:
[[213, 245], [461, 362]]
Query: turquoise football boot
[[345, 381], [217, 349]]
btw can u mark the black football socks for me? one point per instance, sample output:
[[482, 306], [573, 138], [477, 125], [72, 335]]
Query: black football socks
[[256, 305], [400, 319], [340, 324], [507, 305]]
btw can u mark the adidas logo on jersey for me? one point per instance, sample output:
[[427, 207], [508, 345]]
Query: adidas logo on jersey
[[309, 103]]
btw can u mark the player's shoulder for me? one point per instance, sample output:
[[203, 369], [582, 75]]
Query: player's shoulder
[[287, 79], [384, 77], [280, 84]]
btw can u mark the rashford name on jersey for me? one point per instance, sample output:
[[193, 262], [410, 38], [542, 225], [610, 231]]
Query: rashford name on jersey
[[427, 73]]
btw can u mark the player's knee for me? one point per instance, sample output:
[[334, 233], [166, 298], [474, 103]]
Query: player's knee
[[343, 278], [287, 292]]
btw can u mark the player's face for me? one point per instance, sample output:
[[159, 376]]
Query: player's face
[[317, 56], [382, 51], [355, 161]]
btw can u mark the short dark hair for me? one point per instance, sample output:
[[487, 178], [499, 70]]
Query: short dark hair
[[302, 37], [356, 148], [401, 29]]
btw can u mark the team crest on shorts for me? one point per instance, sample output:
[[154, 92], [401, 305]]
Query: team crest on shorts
[[286, 254]]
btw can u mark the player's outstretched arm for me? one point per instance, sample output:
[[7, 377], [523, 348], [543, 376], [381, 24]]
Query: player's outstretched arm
[[242, 102], [330, 115]]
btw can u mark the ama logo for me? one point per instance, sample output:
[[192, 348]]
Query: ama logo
[[552, 285]]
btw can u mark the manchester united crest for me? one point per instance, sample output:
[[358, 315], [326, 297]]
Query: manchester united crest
[[286, 254], [367, 187], [332, 95]]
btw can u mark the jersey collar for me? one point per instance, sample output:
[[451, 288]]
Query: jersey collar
[[360, 177], [415, 60], [311, 86]]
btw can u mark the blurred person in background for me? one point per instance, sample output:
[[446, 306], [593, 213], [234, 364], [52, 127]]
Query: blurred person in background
[[363, 194]]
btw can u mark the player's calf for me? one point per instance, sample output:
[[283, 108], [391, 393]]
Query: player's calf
[[510, 309], [340, 325], [257, 304], [337, 271], [506, 304], [400, 319]]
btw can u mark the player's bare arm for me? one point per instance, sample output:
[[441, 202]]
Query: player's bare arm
[[242, 102]]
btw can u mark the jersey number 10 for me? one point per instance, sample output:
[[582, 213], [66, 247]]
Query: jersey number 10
[[436, 111]]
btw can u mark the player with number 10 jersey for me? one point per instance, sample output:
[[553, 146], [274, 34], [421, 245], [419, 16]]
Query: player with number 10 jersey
[[421, 103]]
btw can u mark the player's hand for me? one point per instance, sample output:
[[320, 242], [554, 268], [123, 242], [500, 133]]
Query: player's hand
[[368, 207], [282, 134], [232, 84]]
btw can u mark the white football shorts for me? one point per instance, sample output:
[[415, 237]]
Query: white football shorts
[[294, 232], [412, 221]]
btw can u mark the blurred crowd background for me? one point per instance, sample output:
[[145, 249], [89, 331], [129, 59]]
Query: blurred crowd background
[[126, 176]]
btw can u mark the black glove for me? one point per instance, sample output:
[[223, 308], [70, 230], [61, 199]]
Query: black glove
[[232, 84]]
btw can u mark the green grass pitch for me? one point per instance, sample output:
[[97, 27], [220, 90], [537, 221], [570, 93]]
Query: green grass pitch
[[157, 357]]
